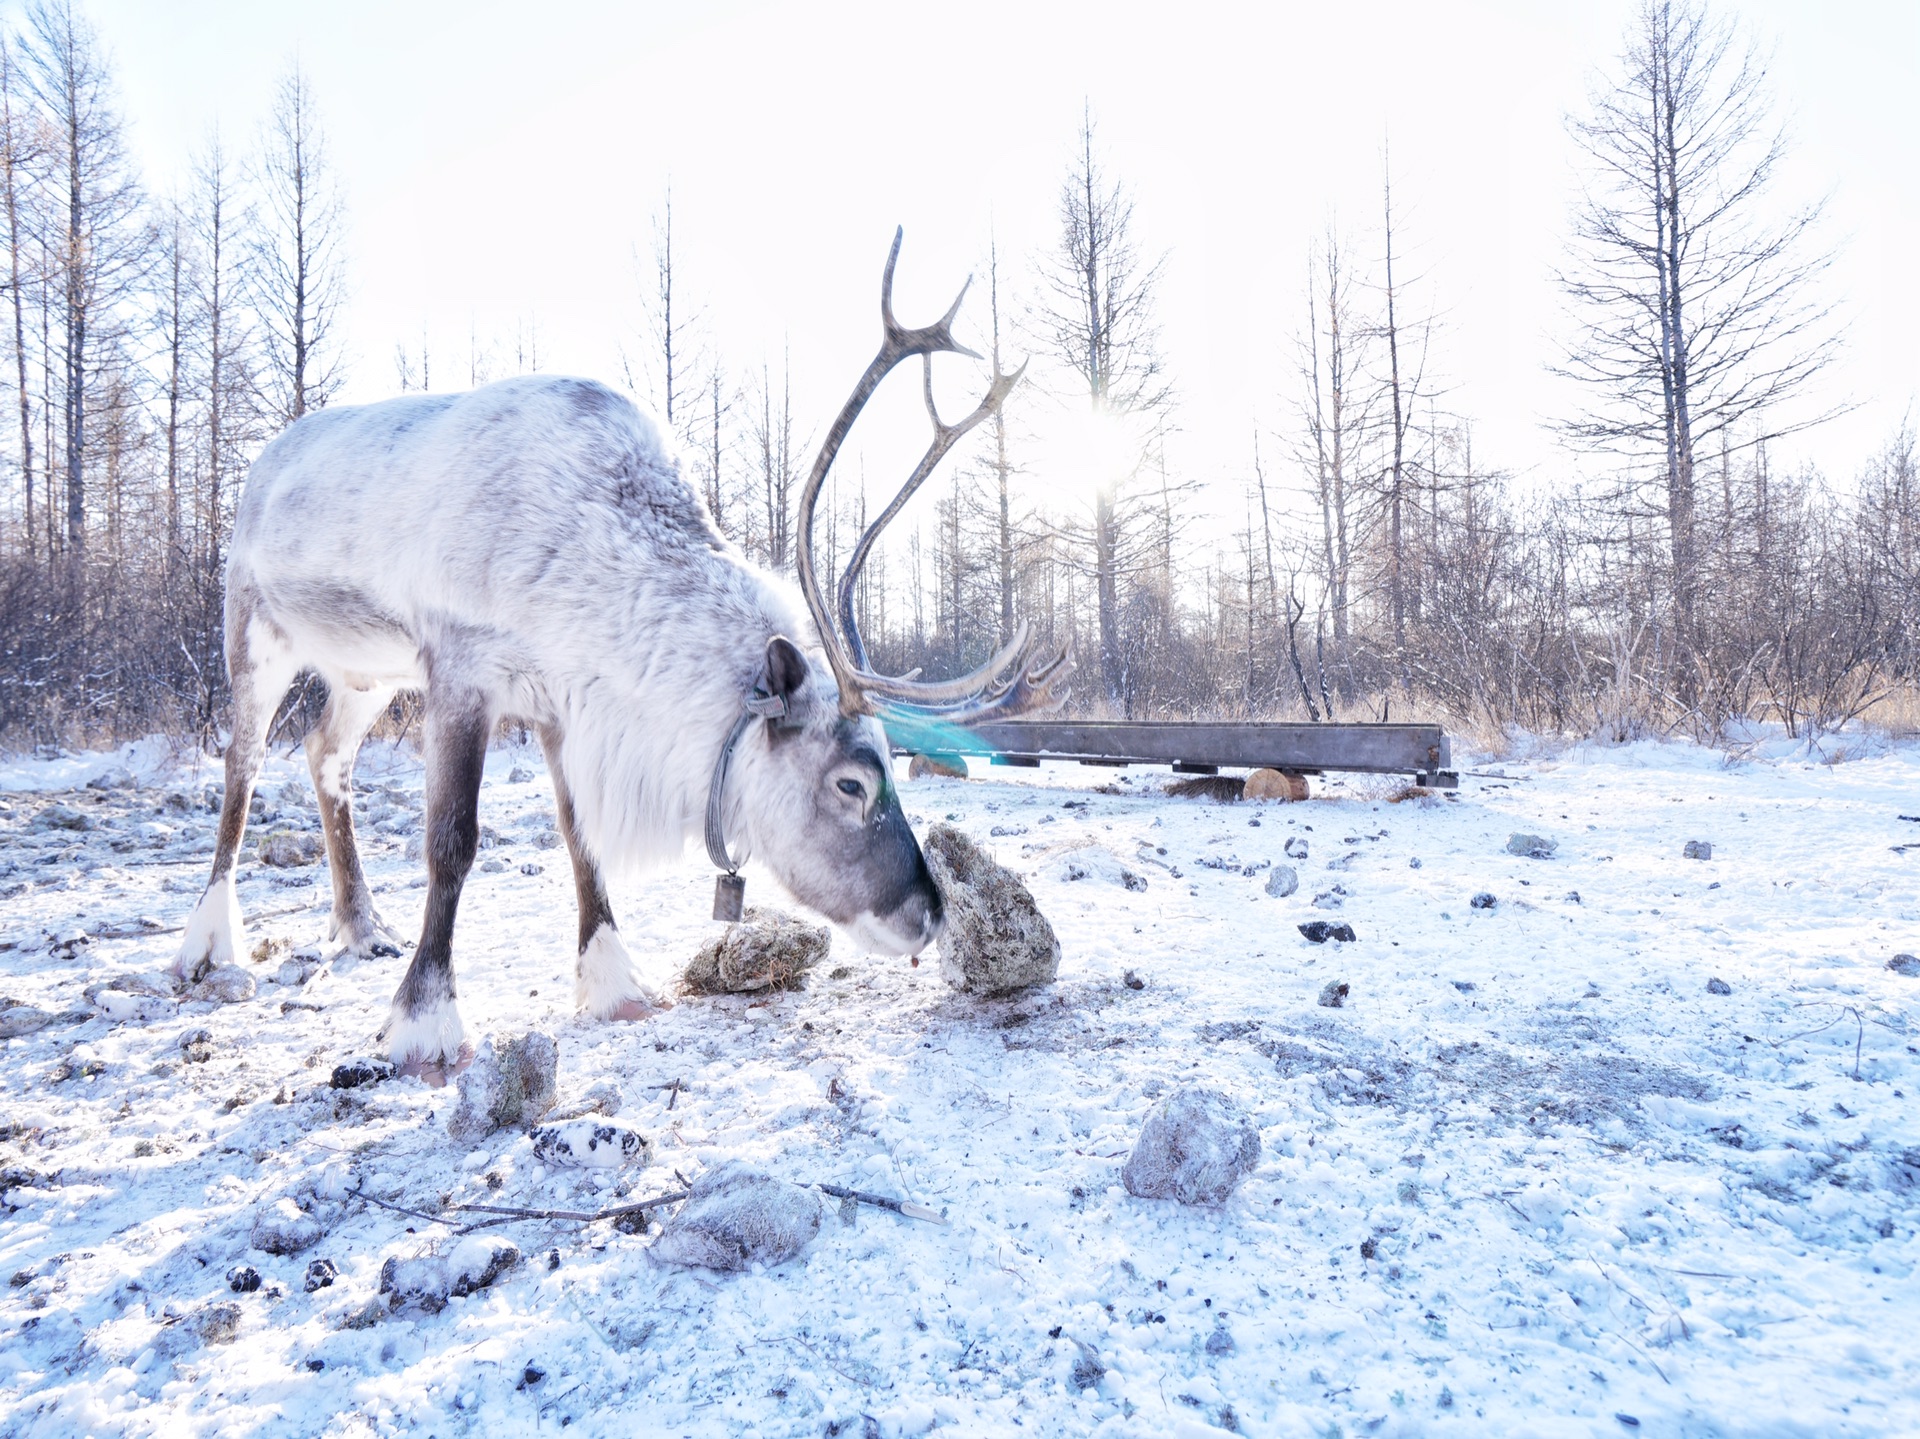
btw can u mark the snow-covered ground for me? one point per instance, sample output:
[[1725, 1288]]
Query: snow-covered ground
[[1532, 1178]]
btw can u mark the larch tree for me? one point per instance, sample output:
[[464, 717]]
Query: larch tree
[[297, 281], [1699, 320], [1097, 314]]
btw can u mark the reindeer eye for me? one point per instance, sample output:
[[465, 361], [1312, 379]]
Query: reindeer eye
[[851, 787]]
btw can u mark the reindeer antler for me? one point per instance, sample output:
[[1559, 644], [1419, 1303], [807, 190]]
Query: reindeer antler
[[1017, 679]]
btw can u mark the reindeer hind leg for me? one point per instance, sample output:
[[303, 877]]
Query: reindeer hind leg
[[261, 666], [332, 747]]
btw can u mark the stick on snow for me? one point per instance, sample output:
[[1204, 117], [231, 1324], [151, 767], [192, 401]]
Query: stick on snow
[[896, 1206]]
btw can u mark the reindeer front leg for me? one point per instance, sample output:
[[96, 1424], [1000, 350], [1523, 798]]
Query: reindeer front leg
[[423, 1032], [605, 985]]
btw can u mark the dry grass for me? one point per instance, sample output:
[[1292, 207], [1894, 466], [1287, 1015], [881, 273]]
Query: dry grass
[[1225, 788]]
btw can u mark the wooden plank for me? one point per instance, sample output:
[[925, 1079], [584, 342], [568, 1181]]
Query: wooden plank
[[1421, 749]]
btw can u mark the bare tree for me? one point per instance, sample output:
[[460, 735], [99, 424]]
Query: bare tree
[[298, 283], [1398, 499], [19, 151], [1099, 318], [102, 246], [1695, 294]]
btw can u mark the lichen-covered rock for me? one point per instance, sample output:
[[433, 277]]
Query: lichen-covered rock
[[217, 1323], [227, 984], [1697, 849], [426, 1282], [19, 1019], [937, 766], [1196, 1145], [510, 1088], [1282, 881], [290, 848], [1275, 784], [995, 938], [765, 950], [736, 1217], [1531, 846], [1907, 964], [590, 1144], [281, 1228], [320, 1275]]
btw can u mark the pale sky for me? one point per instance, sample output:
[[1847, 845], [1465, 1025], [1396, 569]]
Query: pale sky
[[501, 162]]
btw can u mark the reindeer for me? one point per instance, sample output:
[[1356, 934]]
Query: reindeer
[[530, 551]]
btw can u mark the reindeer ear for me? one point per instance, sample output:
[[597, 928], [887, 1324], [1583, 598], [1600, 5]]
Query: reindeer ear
[[786, 667]]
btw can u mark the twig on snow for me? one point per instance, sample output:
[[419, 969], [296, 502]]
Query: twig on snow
[[577, 1216], [893, 1206]]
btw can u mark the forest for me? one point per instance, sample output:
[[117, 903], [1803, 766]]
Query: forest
[[1673, 580]]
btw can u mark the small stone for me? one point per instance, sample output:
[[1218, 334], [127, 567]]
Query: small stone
[[1697, 849], [1719, 986], [61, 816], [511, 1088], [281, 1228], [1196, 1145], [548, 839], [1532, 846], [996, 939], [1465, 986], [291, 848], [1907, 964], [1333, 994], [1275, 784], [765, 949], [1132, 980], [19, 1019], [1483, 900], [1282, 881], [735, 1217], [228, 984], [197, 1045], [530, 1376], [1295, 848], [495, 866], [532, 870], [356, 1072], [320, 1275], [590, 1144], [519, 774], [937, 766], [1220, 1342], [1318, 931], [243, 1279]]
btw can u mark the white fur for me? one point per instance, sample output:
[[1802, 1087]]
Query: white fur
[[605, 978], [433, 1036], [215, 932]]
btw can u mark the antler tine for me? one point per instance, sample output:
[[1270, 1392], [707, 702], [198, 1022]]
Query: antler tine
[[1034, 687]]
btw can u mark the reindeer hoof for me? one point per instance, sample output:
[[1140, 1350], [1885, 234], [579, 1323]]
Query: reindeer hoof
[[436, 1072], [381, 949], [633, 1010]]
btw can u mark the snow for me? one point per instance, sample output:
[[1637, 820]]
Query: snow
[[1530, 1177]]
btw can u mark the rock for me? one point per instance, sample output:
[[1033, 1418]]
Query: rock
[[19, 1019], [1333, 995], [281, 1228], [1296, 848], [1465, 986], [546, 839], [62, 816], [197, 1045], [428, 1281], [995, 938], [356, 1072], [1196, 1145], [1907, 964], [1697, 849], [1318, 931], [290, 848], [217, 1323], [1532, 846], [1719, 986], [1483, 900], [228, 984], [1275, 784], [519, 774], [937, 766], [1091, 862], [124, 1008], [243, 1279], [736, 1217], [1282, 881], [1220, 1342], [320, 1275], [590, 1144], [766, 949], [508, 1090], [1132, 980]]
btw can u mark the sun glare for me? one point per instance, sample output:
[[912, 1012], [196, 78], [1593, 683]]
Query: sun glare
[[1081, 454]]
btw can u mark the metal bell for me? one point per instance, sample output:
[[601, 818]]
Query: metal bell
[[729, 897]]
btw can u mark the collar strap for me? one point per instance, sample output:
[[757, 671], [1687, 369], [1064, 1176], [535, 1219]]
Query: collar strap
[[759, 705]]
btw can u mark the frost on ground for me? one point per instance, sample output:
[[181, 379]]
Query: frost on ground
[[1530, 1175]]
